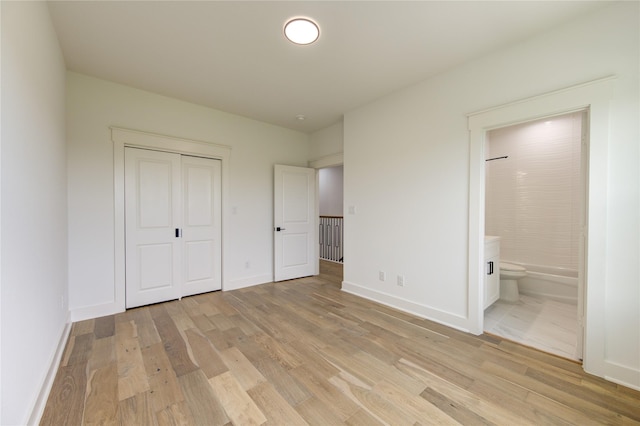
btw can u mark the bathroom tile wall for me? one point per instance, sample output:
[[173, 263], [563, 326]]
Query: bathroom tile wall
[[533, 197]]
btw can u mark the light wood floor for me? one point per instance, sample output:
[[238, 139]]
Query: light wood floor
[[301, 352]]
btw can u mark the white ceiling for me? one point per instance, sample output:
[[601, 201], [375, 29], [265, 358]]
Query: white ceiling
[[232, 56]]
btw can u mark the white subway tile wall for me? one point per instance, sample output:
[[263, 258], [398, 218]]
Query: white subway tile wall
[[533, 197]]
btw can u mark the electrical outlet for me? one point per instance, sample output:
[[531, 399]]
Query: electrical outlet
[[382, 276], [401, 280]]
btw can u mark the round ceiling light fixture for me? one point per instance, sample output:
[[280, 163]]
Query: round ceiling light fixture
[[301, 31]]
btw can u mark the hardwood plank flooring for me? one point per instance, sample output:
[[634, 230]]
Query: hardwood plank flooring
[[303, 352]]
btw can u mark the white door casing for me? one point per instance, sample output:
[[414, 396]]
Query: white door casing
[[594, 97], [122, 138], [201, 189], [173, 226], [294, 222]]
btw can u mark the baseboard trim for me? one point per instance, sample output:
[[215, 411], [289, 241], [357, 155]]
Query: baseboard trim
[[248, 282], [442, 317], [96, 311], [622, 375], [45, 389]]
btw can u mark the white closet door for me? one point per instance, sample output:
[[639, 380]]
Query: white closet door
[[152, 215], [173, 226], [201, 189]]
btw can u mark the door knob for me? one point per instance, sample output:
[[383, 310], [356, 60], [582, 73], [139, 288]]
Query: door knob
[[278, 229]]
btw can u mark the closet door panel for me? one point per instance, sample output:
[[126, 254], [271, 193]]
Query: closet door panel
[[201, 183], [152, 214]]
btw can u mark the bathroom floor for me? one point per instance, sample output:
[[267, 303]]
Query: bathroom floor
[[540, 323]]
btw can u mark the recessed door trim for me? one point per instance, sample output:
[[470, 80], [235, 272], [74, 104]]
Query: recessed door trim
[[122, 138]]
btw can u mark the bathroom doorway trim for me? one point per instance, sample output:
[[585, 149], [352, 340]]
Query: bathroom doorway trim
[[594, 97]]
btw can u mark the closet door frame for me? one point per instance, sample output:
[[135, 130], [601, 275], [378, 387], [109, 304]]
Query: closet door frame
[[122, 138]]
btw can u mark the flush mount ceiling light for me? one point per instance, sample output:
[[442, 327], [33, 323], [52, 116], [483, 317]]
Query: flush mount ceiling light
[[301, 31]]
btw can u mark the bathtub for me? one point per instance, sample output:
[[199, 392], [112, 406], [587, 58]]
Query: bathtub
[[551, 283]]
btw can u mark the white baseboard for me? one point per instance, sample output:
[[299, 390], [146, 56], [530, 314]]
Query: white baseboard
[[622, 375], [95, 311], [45, 389], [247, 282], [446, 318]]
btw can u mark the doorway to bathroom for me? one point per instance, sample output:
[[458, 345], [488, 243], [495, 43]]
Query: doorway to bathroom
[[535, 202]]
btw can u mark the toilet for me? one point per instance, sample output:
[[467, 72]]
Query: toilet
[[509, 276]]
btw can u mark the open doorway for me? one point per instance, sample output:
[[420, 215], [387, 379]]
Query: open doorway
[[331, 222], [594, 97], [535, 195], [330, 199]]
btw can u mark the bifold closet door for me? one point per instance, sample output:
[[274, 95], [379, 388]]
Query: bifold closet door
[[172, 225]]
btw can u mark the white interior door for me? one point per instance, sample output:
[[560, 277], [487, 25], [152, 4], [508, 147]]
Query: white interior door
[[294, 222], [152, 215], [173, 226], [201, 189]]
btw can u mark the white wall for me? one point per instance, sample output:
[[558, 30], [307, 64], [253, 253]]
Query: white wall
[[406, 162], [327, 141], [34, 206], [533, 197], [92, 106], [331, 191]]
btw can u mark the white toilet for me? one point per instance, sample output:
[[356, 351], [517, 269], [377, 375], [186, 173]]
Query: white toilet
[[509, 276]]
